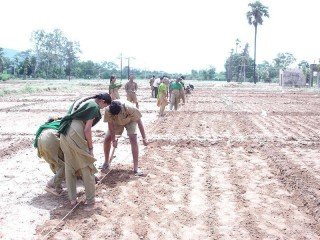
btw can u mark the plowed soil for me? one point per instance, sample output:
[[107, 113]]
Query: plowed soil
[[237, 161]]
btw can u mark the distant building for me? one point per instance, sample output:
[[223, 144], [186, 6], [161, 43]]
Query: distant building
[[292, 78]]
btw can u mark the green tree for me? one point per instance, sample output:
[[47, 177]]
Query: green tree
[[1, 60], [283, 60], [255, 17], [305, 67], [71, 50], [239, 66], [55, 54]]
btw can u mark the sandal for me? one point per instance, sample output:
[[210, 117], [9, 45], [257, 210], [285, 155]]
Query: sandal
[[73, 203], [138, 172], [93, 201], [54, 191], [104, 167]]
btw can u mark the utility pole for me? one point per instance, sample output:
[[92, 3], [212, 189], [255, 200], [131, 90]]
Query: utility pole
[[120, 65], [129, 65]]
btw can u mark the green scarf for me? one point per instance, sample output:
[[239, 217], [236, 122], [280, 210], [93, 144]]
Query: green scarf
[[162, 89], [48, 125], [115, 85], [89, 110]]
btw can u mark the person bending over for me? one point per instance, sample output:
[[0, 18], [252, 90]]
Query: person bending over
[[77, 146], [119, 115]]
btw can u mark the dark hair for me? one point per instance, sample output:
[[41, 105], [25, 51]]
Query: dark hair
[[115, 107], [112, 77], [103, 96], [51, 119]]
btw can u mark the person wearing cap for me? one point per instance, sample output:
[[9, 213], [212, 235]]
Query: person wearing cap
[[131, 88], [119, 115]]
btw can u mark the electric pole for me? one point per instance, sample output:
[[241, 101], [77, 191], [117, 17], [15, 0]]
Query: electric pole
[[120, 65], [129, 65]]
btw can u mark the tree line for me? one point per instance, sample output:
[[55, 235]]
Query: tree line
[[54, 56]]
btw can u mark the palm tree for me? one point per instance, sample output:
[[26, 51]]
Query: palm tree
[[254, 16]]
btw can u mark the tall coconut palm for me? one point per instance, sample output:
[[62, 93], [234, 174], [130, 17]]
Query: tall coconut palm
[[255, 17]]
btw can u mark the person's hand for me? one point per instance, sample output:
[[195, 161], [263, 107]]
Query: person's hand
[[145, 142], [115, 143], [91, 151]]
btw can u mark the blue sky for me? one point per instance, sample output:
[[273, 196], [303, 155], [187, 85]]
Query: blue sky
[[169, 35]]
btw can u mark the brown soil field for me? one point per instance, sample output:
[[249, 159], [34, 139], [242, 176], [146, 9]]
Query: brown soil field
[[237, 161]]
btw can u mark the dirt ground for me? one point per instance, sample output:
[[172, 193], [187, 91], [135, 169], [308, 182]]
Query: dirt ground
[[238, 161]]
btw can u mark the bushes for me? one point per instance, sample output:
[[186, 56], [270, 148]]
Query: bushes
[[5, 76]]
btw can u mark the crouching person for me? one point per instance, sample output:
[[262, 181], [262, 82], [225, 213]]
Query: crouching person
[[47, 143], [119, 115], [77, 146]]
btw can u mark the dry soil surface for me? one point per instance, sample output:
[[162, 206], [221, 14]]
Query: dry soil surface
[[237, 161]]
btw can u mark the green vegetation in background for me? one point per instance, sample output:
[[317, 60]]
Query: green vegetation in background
[[5, 76]]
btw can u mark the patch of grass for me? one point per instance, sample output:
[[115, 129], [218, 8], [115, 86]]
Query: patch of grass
[[29, 89], [4, 92]]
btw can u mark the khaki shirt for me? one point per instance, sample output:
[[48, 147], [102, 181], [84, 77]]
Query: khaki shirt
[[128, 113], [131, 87]]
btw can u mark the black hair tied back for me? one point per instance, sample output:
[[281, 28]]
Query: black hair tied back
[[115, 107], [105, 97]]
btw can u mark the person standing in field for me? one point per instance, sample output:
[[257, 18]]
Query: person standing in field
[[77, 145], [162, 100], [151, 81], [114, 88], [182, 91], [119, 115], [131, 88], [156, 84], [47, 143], [175, 89]]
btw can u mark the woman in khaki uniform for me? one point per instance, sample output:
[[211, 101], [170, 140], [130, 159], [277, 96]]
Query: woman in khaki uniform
[[175, 89], [114, 88], [162, 101], [119, 115], [76, 143], [47, 143], [131, 88]]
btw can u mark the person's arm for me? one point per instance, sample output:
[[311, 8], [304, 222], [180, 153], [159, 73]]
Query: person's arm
[[126, 88], [112, 134], [88, 135], [143, 134]]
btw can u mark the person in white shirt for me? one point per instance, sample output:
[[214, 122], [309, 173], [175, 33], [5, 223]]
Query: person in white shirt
[[156, 84]]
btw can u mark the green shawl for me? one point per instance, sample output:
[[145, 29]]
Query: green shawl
[[89, 110], [162, 89], [115, 85], [48, 125]]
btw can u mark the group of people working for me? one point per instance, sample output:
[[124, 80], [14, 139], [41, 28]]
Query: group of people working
[[67, 145], [167, 91]]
